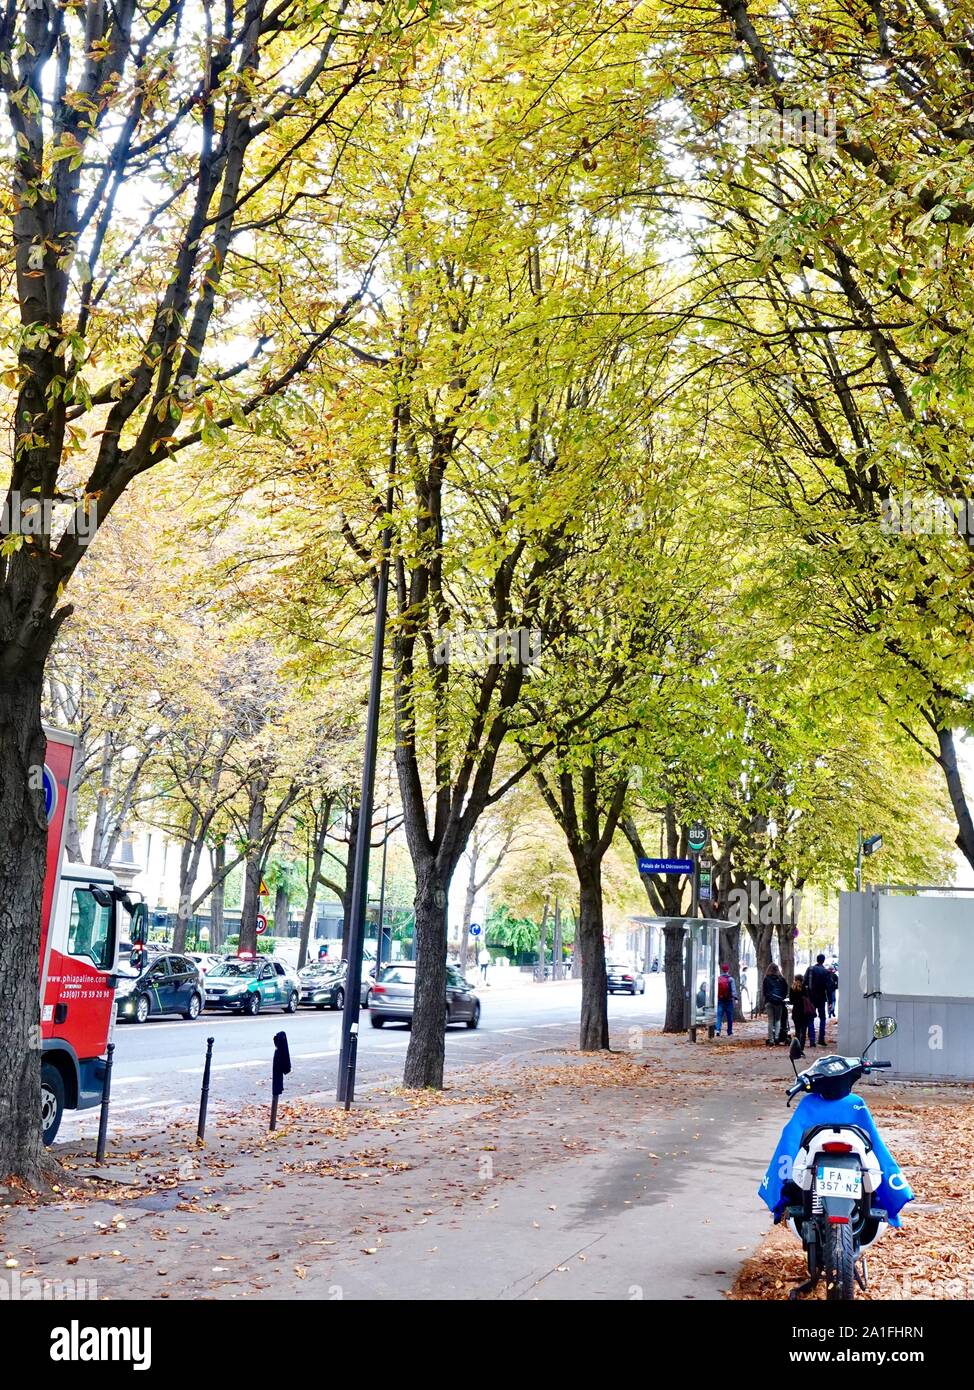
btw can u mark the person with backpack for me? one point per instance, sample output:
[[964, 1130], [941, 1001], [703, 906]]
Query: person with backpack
[[726, 999], [834, 976], [775, 997]]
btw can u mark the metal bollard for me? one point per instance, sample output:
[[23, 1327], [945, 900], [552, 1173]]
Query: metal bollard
[[205, 1092], [106, 1093], [280, 1069], [350, 1071]]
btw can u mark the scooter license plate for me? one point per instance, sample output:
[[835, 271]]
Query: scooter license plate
[[839, 1182]]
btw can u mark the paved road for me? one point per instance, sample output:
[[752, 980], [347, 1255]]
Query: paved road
[[159, 1064]]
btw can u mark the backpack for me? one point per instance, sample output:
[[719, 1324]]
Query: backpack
[[724, 991]]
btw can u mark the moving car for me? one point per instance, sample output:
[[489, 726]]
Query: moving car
[[247, 984], [622, 978], [391, 999], [323, 984], [167, 984]]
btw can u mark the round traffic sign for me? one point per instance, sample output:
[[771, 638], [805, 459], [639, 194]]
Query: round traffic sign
[[261, 924], [50, 792], [474, 930]]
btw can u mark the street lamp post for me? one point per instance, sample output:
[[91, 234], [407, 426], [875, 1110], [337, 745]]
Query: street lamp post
[[382, 900], [866, 846]]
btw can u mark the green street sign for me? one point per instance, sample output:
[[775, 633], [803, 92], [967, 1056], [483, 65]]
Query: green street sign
[[697, 837]]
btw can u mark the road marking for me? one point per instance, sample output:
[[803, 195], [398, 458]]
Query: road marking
[[511, 1030], [224, 1066], [312, 1056]]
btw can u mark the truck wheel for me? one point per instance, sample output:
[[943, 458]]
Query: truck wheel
[[840, 1277], [52, 1102]]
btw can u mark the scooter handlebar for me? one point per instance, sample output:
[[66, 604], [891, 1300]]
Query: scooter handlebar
[[871, 1066]]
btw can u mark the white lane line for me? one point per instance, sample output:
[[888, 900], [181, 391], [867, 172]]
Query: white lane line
[[129, 1080], [224, 1066], [313, 1056], [510, 1030]]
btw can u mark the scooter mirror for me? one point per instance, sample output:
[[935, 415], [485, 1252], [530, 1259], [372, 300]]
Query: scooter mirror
[[794, 1052], [884, 1027]]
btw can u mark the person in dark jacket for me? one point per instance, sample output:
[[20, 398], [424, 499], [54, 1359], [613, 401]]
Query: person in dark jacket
[[818, 982], [834, 976], [802, 1013], [775, 998]]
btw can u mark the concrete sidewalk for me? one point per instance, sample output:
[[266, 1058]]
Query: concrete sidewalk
[[560, 1176]]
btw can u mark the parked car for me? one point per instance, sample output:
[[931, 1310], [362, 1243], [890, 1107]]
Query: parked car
[[167, 984], [247, 984], [203, 960], [391, 999], [622, 978]]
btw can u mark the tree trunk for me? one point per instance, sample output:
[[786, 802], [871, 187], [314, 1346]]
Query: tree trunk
[[23, 850], [761, 937], [557, 969], [786, 950], [252, 866], [674, 936], [424, 1056], [958, 798], [218, 896], [189, 864], [593, 1033], [318, 854], [72, 837], [543, 938], [282, 911], [468, 901]]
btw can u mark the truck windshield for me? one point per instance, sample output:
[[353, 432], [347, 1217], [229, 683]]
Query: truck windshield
[[91, 930]]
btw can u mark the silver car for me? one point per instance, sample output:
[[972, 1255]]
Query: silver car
[[391, 998]]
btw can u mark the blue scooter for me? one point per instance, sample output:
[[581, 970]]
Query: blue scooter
[[832, 1179]]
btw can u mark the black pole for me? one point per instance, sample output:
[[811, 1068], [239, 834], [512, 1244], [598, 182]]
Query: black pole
[[360, 884], [205, 1091], [106, 1094], [352, 1055], [382, 900]]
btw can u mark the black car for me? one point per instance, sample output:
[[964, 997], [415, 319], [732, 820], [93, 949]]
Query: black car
[[166, 984], [623, 978]]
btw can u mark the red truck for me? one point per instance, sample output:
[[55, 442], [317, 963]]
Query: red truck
[[84, 917]]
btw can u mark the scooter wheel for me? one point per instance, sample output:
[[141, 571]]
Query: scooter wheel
[[840, 1265]]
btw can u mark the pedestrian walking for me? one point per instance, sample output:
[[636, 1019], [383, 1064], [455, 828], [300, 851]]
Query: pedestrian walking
[[834, 974], [775, 997], [802, 1013], [483, 960], [817, 983], [726, 999]]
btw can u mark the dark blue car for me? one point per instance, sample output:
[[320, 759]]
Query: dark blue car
[[166, 984]]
